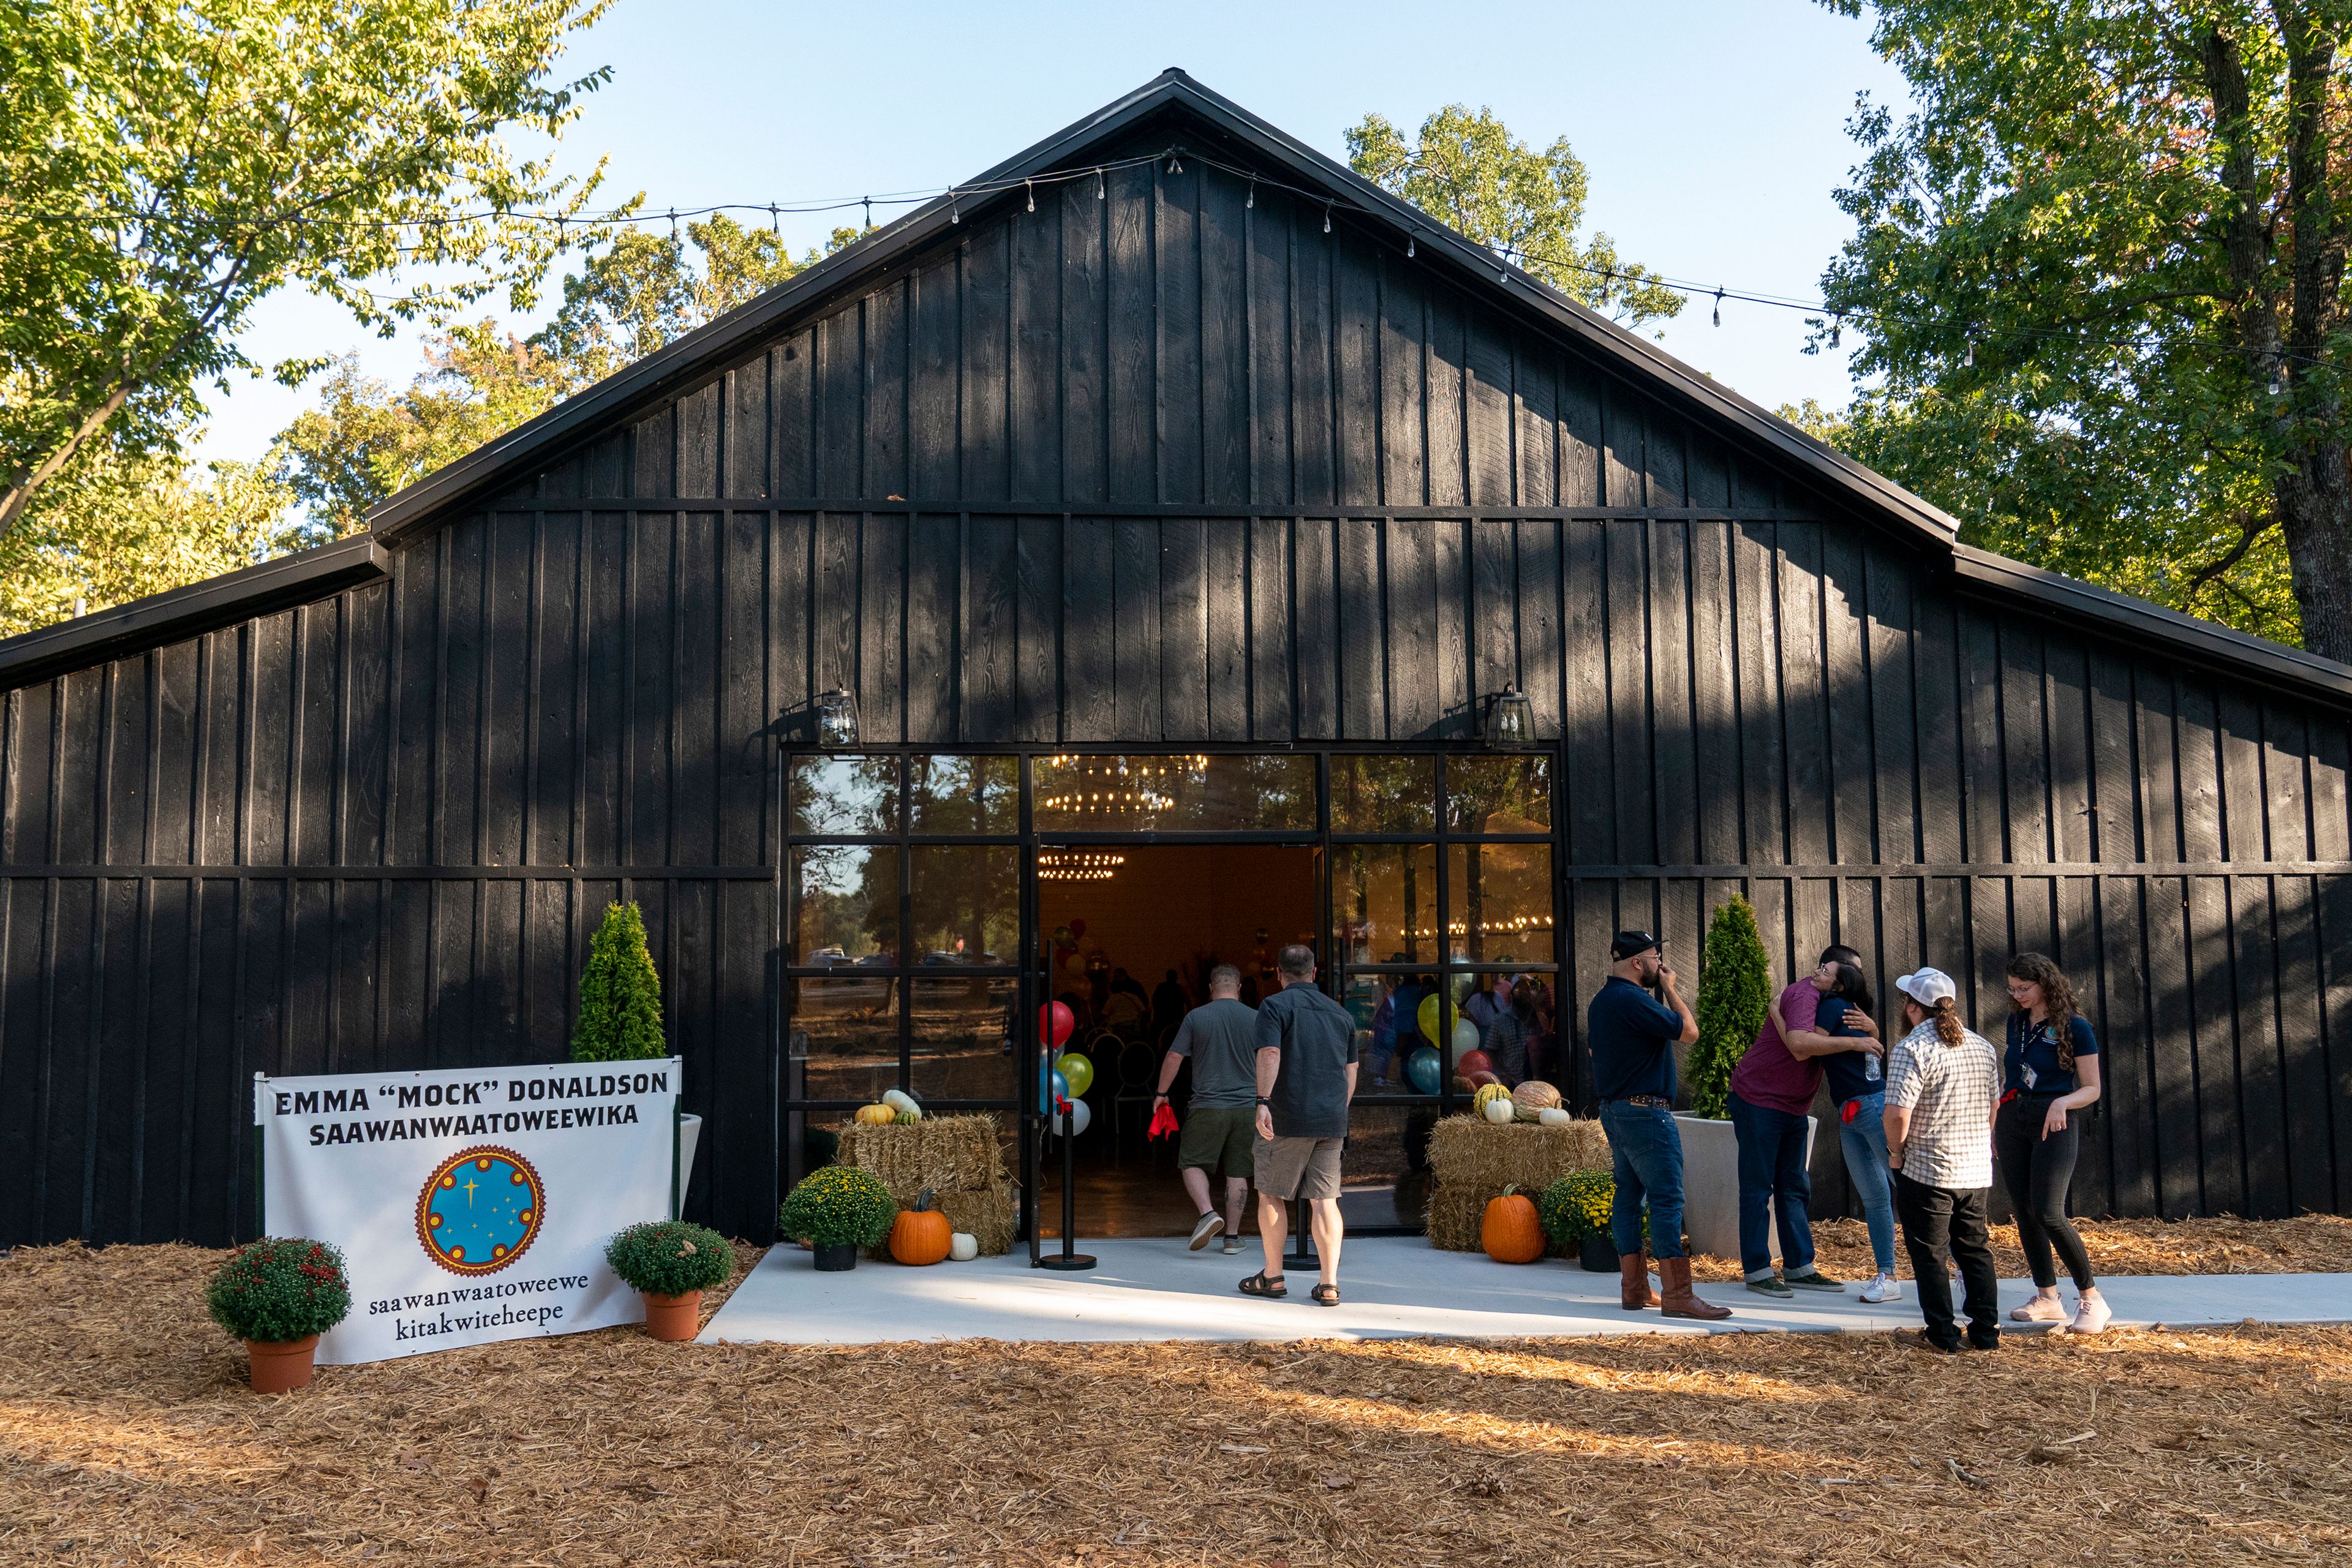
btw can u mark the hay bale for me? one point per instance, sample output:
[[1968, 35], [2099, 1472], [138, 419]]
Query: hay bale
[[1472, 1160], [958, 1157]]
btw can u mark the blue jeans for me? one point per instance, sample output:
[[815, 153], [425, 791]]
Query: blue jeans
[[1772, 1167], [1647, 1153], [1863, 1139]]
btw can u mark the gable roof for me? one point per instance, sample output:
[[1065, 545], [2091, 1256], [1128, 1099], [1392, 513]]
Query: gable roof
[[672, 367]]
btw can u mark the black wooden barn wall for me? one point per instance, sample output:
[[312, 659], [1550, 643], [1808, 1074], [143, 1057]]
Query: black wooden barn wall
[[1163, 468]]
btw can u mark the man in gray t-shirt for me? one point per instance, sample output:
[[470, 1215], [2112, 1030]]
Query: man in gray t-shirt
[[1219, 1131]]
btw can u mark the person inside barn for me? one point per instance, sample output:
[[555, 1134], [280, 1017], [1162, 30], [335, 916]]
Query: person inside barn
[[1632, 1035], [1510, 1037], [2050, 1072], [1943, 1079], [1772, 1091]]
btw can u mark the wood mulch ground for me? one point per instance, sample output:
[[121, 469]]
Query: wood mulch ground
[[2312, 1244], [127, 1436]]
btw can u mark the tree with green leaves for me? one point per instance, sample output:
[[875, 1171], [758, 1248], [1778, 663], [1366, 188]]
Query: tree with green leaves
[[1734, 992], [113, 528], [2099, 273], [1469, 173], [165, 166], [619, 994]]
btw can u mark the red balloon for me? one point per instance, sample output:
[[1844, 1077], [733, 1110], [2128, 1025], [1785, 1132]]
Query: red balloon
[[1077, 928], [1056, 1022], [1473, 1063]]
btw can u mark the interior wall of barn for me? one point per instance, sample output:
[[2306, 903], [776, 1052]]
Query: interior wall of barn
[[1166, 468]]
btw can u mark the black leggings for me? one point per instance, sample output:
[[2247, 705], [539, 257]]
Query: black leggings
[[2037, 1171]]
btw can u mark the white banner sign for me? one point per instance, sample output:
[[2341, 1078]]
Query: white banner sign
[[470, 1205]]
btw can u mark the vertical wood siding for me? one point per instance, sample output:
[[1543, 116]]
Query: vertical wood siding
[[1163, 468]]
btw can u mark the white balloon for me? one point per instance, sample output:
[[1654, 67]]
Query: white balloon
[[1079, 1117], [1465, 1038]]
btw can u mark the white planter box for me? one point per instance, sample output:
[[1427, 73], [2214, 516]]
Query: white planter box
[[1711, 1184]]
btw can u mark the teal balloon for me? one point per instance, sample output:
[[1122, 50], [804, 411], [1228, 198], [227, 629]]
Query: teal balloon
[[1421, 1070], [1076, 1071]]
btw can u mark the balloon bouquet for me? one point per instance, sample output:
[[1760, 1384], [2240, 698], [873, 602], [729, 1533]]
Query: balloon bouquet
[[1064, 1075], [1442, 1024]]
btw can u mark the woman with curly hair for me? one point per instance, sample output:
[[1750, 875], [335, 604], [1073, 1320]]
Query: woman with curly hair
[[2050, 1071]]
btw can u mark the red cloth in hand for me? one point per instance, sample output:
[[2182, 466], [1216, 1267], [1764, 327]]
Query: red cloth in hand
[[1164, 1123]]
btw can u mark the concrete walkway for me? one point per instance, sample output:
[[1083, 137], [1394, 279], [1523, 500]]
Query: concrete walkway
[[1393, 1286]]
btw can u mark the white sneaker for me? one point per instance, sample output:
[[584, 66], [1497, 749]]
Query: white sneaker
[[2091, 1314], [1885, 1287], [2039, 1309]]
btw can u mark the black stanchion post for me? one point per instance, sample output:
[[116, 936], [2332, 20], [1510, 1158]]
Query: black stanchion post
[[1069, 1260]]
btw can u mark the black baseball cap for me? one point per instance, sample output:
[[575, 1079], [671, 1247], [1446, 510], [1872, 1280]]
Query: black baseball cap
[[1630, 942]]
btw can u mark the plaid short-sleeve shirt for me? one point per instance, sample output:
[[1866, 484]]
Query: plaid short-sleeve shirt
[[1951, 1091]]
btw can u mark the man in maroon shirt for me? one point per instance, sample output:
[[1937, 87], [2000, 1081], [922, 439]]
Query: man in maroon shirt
[[1772, 1092]]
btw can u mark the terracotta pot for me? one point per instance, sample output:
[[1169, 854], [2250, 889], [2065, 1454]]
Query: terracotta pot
[[279, 1367], [834, 1259], [674, 1318]]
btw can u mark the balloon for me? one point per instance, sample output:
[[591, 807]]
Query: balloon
[[1077, 1070], [1063, 937], [1078, 1116], [1061, 1086], [1421, 1070], [1466, 1040], [1055, 1021], [1077, 928], [1077, 963], [1470, 1063], [1426, 1017], [1480, 1079]]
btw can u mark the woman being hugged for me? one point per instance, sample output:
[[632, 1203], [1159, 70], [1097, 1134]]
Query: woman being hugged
[[2050, 1071]]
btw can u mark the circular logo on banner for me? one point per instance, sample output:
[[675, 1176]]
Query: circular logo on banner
[[480, 1210]]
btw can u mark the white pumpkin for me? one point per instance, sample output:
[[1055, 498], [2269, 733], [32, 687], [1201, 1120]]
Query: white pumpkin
[[1553, 1116], [963, 1249], [900, 1099], [1500, 1110]]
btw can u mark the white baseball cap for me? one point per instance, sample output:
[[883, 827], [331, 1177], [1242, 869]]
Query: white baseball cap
[[1927, 986]]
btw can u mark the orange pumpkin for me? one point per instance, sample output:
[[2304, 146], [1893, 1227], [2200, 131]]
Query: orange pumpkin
[[919, 1234], [1510, 1232]]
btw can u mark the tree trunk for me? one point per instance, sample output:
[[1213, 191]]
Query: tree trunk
[[2314, 507]]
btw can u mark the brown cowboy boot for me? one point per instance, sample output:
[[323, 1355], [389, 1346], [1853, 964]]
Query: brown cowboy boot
[[1634, 1291], [1681, 1301]]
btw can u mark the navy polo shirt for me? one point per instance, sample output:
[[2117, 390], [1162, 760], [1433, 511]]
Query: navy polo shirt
[[2033, 1048], [1848, 1073], [1630, 1035]]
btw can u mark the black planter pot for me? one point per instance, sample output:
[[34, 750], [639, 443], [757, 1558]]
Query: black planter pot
[[1597, 1255], [834, 1259]]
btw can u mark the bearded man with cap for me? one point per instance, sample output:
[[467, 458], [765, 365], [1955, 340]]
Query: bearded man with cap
[[1631, 1036], [1943, 1092]]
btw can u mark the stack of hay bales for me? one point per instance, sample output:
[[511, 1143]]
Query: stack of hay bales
[[1472, 1160], [956, 1157]]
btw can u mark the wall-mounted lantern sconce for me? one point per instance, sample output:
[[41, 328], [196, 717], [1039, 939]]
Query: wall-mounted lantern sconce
[[1510, 720], [837, 722]]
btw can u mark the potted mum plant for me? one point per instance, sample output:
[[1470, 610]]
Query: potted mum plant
[[278, 1295], [671, 1263], [1575, 1215], [837, 1211]]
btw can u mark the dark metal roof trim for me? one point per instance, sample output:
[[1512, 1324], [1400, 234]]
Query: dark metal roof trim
[[514, 454], [2202, 641], [162, 618]]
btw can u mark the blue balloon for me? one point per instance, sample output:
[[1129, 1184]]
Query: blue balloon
[[1421, 1070], [1061, 1087]]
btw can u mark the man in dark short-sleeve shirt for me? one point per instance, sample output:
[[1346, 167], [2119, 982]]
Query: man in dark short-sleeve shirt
[[1631, 1036], [1305, 1077]]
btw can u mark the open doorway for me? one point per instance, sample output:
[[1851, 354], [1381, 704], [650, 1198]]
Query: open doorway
[[1133, 931]]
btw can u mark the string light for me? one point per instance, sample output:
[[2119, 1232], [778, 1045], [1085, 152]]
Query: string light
[[1407, 247], [1031, 186], [1098, 185], [1718, 307], [1251, 200], [774, 227], [1326, 217], [955, 213], [1072, 867]]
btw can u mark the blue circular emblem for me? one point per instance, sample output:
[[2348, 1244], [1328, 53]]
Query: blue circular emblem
[[480, 1210]]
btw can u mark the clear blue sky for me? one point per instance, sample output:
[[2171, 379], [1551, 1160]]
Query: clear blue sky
[[1714, 132]]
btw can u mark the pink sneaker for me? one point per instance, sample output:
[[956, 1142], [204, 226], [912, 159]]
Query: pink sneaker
[[2040, 1308], [2091, 1314]]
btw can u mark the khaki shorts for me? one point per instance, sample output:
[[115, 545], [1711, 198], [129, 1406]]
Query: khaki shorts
[[1298, 1167], [1219, 1138]]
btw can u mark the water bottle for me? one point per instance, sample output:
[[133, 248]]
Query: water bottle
[[1870, 1066]]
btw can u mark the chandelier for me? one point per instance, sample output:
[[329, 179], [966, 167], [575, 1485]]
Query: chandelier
[[1118, 784], [1076, 866]]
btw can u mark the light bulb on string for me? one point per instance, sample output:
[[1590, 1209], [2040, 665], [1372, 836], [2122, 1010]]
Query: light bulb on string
[[1031, 186], [1407, 247], [1098, 183], [1326, 217], [955, 213], [1251, 200], [1718, 307]]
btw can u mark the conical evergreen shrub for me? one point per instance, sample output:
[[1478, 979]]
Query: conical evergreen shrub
[[1734, 992], [619, 994]]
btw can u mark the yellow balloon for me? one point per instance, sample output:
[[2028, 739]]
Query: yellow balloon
[[1427, 1018], [1077, 1069]]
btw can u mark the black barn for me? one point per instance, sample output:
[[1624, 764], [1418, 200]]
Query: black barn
[[1167, 439]]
